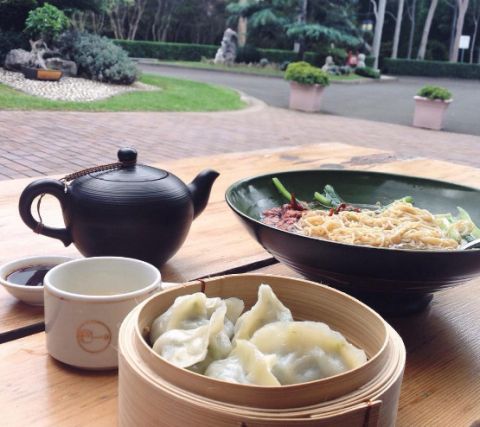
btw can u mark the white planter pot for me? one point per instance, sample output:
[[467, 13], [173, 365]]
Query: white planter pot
[[429, 113], [305, 97]]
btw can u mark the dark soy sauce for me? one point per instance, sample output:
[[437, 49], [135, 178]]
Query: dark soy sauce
[[30, 276]]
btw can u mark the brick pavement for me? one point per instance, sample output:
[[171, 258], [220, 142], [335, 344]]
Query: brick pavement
[[42, 143]]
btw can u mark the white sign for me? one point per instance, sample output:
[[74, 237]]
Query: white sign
[[464, 42]]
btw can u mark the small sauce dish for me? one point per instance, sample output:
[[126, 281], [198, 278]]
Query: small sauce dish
[[30, 272]]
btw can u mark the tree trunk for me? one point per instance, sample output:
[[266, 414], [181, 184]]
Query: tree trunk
[[462, 9], [426, 29], [452, 28], [474, 38], [379, 11], [398, 27], [412, 15], [242, 27]]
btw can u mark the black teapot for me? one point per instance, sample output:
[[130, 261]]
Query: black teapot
[[122, 209]]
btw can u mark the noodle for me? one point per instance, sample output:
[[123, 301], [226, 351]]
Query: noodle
[[400, 225]]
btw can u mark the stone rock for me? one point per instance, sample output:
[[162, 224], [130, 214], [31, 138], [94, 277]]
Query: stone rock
[[330, 66], [361, 60], [68, 68], [227, 52], [18, 58]]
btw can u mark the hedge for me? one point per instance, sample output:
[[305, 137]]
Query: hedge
[[195, 52], [409, 67]]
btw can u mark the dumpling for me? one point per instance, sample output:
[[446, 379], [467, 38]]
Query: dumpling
[[187, 347], [192, 311], [245, 365], [306, 351], [267, 309]]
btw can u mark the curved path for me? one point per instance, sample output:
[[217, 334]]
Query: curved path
[[389, 101]]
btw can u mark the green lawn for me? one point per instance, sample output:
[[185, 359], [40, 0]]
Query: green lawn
[[245, 69], [175, 95]]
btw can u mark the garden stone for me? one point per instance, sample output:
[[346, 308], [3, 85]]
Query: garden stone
[[227, 52], [361, 60], [68, 68], [17, 58], [330, 66]]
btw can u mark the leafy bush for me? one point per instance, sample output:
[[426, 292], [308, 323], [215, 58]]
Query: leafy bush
[[435, 92], [46, 22], [304, 73], [248, 54], [11, 40], [98, 58], [409, 67], [367, 72], [436, 51]]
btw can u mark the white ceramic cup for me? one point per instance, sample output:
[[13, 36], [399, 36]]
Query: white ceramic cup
[[86, 300]]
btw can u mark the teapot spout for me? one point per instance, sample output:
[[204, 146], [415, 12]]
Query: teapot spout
[[200, 189]]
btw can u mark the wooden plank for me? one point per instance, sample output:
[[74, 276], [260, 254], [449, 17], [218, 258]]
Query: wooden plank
[[216, 228], [441, 384]]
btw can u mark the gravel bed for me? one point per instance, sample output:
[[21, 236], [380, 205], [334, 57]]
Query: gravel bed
[[69, 88]]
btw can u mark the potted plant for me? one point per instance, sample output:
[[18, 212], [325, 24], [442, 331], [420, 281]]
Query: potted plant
[[306, 86], [431, 102]]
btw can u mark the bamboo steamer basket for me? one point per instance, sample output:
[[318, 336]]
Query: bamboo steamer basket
[[153, 392]]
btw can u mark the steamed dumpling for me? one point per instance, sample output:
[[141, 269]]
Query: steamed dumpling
[[245, 365], [267, 309], [193, 311], [306, 351], [187, 347]]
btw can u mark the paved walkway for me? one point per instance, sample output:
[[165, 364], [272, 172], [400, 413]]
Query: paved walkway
[[36, 143], [389, 102]]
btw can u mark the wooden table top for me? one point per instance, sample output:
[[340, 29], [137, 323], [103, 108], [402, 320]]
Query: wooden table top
[[441, 385]]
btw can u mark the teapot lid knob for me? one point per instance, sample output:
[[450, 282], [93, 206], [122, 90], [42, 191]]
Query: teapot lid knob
[[127, 156]]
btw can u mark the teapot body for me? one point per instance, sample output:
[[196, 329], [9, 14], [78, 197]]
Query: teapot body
[[122, 209], [144, 222]]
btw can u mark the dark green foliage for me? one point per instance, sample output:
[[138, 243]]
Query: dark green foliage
[[339, 56], [369, 61], [167, 51], [11, 40], [304, 73], [367, 72], [436, 51], [98, 58], [248, 54], [408, 67], [46, 22], [435, 92], [13, 13]]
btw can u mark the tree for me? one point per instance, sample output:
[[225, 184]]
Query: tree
[[46, 22], [398, 27], [462, 9], [426, 29], [476, 19], [412, 14], [281, 17], [379, 12]]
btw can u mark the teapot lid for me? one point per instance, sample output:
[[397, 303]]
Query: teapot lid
[[128, 170]]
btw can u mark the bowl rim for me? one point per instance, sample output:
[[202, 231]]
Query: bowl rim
[[365, 248], [288, 387], [10, 266]]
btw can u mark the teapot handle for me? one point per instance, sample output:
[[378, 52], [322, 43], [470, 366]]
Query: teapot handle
[[38, 188]]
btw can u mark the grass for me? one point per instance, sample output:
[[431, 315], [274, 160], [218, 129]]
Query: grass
[[175, 95], [245, 69]]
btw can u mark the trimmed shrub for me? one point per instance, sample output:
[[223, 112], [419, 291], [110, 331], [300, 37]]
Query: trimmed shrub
[[369, 61], [98, 58], [167, 51], [367, 72], [11, 40], [409, 67], [304, 73], [435, 92], [248, 54]]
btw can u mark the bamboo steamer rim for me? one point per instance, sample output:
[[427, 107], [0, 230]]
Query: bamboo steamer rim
[[369, 399], [147, 353]]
